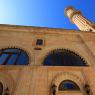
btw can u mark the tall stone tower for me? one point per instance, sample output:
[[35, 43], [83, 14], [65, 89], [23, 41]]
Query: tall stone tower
[[78, 19]]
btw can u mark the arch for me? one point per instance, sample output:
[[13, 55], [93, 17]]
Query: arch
[[13, 56], [59, 57], [68, 85], [68, 76]]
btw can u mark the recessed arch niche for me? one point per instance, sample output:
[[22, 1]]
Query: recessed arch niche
[[73, 83], [63, 57]]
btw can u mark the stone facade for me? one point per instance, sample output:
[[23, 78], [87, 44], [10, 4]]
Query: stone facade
[[36, 79]]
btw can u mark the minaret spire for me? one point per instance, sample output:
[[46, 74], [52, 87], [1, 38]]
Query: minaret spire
[[79, 20]]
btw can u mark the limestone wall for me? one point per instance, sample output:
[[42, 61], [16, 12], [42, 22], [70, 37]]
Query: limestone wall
[[36, 79]]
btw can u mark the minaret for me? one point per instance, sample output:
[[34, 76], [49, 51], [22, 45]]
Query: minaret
[[78, 19]]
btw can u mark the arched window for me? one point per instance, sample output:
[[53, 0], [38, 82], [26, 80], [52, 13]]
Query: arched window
[[68, 85], [1, 88], [63, 57], [13, 56]]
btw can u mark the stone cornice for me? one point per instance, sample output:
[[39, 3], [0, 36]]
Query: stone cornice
[[32, 29]]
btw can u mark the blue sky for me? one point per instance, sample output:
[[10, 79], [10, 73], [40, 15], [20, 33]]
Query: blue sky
[[44, 13]]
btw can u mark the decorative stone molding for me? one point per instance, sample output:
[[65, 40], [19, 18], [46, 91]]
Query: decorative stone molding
[[7, 81]]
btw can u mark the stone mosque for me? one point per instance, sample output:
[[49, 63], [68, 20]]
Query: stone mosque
[[48, 61]]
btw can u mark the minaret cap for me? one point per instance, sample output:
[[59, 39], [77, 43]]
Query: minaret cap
[[66, 9]]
